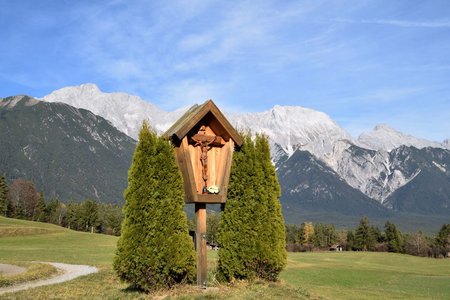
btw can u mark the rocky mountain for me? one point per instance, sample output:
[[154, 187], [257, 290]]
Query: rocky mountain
[[428, 192], [69, 153], [293, 127], [371, 167], [125, 112], [309, 184], [383, 137], [446, 143], [288, 127]]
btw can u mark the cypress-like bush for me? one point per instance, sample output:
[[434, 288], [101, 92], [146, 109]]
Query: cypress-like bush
[[272, 258], [154, 250], [251, 232]]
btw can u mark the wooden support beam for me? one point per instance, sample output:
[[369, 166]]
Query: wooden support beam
[[202, 272]]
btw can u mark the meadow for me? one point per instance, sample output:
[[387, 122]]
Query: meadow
[[324, 275]]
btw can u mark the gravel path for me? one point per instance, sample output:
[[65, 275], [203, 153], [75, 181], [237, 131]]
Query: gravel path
[[7, 270], [70, 272]]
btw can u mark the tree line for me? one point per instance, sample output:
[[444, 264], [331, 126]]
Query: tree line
[[367, 237], [21, 200]]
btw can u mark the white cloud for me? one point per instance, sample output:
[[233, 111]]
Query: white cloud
[[400, 23]]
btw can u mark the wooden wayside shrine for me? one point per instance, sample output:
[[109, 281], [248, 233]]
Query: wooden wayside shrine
[[204, 143]]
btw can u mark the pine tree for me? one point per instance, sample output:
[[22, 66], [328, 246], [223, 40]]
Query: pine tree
[[89, 215], [350, 241], [3, 195], [40, 214], [443, 237], [154, 250], [394, 237], [252, 235], [364, 238], [319, 238]]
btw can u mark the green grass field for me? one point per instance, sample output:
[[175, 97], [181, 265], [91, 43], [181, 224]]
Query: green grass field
[[345, 275]]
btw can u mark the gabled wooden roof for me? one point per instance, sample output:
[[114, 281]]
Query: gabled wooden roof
[[196, 114]]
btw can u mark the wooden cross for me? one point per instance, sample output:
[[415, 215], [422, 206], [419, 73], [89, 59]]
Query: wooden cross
[[205, 142]]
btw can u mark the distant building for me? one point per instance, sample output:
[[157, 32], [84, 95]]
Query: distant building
[[336, 247]]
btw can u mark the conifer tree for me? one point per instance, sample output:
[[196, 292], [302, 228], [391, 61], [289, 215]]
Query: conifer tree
[[394, 237], [3, 195], [154, 250], [237, 230], [40, 214], [443, 237], [364, 237], [251, 232], [272, 258]]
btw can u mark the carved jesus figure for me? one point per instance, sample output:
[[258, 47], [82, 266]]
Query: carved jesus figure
[[204, 141]]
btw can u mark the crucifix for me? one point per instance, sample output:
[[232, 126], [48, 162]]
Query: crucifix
[[205, 142]]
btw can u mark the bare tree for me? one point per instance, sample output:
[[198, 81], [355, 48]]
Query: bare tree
[[23, 200]]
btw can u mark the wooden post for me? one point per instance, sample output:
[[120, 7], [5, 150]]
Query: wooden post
[[200, 212]]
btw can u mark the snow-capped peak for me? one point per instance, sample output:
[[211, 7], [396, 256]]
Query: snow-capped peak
[[124, 111], [384, 137], [294, 127], [291, 127]]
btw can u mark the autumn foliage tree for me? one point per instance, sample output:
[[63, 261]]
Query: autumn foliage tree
[[154, 250], [3, 195], [23, 200]]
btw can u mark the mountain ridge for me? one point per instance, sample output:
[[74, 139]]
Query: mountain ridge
[[384, 137], [90, 97], [365, 163], [69, 153], [347, 182]]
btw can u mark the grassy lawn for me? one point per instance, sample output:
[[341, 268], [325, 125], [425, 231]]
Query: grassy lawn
[[345, 275], [366, 275]]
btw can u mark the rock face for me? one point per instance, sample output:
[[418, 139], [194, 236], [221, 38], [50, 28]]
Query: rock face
[[381, 165], [446, 143], [125, 112], [309, 184], [69, 153], [383, 137], [294, 127], [290, 127]]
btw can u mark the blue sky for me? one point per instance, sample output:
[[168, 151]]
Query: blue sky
[[361, 62]]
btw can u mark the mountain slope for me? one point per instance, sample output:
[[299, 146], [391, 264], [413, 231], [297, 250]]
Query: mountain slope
[[69, 153], [429, 191], [290, 127], [125, 112], [309, 184], [371, 165]]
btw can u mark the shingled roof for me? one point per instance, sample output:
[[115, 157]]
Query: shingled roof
[[195, 115]]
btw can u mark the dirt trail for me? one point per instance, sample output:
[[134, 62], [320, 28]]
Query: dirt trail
[[7, 269], [69, 272]]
